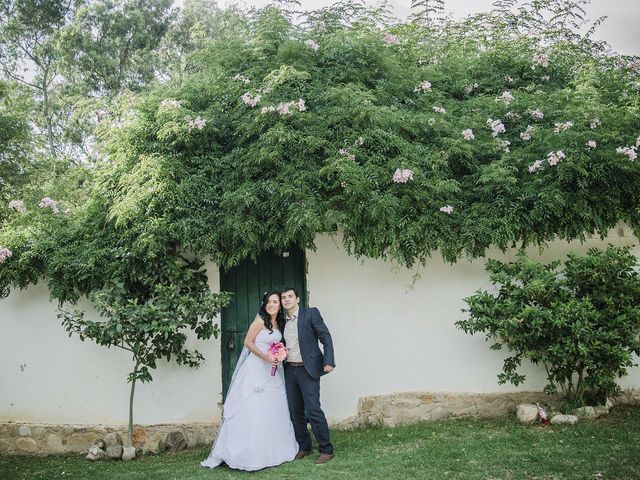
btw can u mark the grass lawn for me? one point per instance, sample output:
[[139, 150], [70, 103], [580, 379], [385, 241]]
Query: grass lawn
[[606, 448]]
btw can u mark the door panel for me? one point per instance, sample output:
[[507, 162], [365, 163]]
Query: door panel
[[248, 282]]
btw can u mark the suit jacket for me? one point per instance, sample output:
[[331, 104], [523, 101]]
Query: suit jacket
[[311, 330]]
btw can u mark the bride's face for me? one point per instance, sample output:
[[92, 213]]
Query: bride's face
[[273, 304]]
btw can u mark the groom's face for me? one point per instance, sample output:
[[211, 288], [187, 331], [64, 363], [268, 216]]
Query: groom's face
[[289, 300]]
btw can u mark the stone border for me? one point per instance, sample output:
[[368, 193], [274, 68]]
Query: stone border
[[377, 410], [411, 407], [45, 439]]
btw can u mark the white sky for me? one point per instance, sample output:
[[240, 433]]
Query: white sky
[[621, 29]]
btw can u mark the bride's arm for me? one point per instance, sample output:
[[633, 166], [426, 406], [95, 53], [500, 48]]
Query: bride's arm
[[250, 340]]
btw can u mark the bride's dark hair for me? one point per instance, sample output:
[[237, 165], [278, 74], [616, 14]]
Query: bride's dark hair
[[266, 318]]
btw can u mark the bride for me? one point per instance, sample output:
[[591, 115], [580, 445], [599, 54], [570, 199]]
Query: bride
[[256, 431]]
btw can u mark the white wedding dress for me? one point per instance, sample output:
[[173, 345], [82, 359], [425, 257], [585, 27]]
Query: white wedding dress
[[256, 431]]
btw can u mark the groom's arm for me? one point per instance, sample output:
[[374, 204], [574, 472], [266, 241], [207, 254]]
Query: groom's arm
[[324, 336]]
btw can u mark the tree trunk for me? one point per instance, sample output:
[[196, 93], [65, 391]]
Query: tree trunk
[[133, 390]]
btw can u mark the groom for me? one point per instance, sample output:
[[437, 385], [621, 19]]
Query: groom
[[303, 368]]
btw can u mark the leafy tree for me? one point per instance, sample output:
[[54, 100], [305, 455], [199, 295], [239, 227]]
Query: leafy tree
[[29, 32], [147, 311], [581, 323], [16, 143], [198, 23], [148, 299], [112, 45]]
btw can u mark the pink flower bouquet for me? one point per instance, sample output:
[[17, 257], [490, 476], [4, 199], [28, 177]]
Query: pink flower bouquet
[[277, 351]]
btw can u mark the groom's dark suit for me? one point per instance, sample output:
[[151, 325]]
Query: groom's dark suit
[[303, 382]]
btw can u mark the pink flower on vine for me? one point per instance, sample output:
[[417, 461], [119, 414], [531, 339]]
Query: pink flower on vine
[[562, 126], [423, 87], [553, 158], [468, 134], [390, 39], [541, 59], [197, 123], [506, 97], [47, 202], [526, 135], [535, 166], [312, 45], [402, 176], [537, 114], [345, 153], [496, 126], [251, 100], [241, 78], [170, 103], [448, 209], [284, 108], [631, 152], [4, 254], [17, 205]]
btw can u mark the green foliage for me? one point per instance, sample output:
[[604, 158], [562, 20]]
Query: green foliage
[[582, 323], [148, 311], [251, 181], [112, 45], [16, 143]]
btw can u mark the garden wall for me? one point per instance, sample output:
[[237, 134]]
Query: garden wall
[[391, 335]]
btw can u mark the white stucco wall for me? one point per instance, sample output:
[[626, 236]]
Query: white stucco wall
[[48, 377], [389, 336], [393, 335]]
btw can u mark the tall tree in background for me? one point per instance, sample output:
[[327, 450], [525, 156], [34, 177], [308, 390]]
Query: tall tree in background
[[29, 31], [75, 56], [16, 142], [111, 46], [198, 23]]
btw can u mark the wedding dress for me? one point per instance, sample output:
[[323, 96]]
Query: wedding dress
[[256, 431]]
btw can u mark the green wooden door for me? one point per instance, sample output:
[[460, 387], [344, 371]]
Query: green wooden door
[[247, 282]]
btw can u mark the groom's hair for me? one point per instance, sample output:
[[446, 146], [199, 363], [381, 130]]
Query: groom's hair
[[288, 289]]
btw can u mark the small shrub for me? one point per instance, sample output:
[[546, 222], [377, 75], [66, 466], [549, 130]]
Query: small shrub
[[581, 323]]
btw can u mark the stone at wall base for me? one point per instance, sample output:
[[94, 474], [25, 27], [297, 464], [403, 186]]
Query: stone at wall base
[[411, 407], [115, 452], [139, 437], [27, 445], [586, 413], [155, 445], [96, 453], [175, 441], [128, 453], [389, 410], [600, 410], [527, 413], [112, 439], [564, 420], [58, 439]]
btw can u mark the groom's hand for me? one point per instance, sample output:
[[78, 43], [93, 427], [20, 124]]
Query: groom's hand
[[328, 368]]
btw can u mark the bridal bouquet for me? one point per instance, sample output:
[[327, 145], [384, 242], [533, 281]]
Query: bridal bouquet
[[277, 351]]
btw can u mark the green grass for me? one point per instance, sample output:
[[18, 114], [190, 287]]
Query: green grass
[[606, 448]]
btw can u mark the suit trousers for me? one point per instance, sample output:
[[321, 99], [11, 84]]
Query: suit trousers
[[303, 393]]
